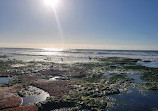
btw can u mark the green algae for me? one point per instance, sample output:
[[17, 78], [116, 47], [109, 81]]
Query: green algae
[[119, 60], [148, 73], [3, 56], [5, 65], [52, 103]]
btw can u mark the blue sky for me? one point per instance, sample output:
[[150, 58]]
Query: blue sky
[[104, 24]]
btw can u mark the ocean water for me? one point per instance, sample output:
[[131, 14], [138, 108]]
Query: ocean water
[[76, 55]]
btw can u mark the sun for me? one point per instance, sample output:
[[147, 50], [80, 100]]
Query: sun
[[51, 3]]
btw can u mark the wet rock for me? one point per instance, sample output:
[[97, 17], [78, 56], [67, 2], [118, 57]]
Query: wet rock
[[146, 61], [22, 108], [57, 89], [113, 66], [9, 100], [52, 103], [29, 90], [112, 92], [153, 88]]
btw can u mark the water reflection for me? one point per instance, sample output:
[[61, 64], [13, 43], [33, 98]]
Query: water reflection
[[136, 78], [4, 80], [136, 101], [54, 78], [51, 51], [37, 97], [149, 64]]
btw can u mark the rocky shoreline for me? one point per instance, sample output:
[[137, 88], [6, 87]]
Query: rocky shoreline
[[79, 86]]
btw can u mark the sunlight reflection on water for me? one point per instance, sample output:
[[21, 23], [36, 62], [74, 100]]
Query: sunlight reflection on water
[[31, 99], [73, 55]]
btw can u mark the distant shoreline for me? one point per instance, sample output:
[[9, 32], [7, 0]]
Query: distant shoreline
[[83, 49]]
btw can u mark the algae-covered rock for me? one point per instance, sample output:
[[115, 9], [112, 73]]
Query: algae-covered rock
[[52, 103]]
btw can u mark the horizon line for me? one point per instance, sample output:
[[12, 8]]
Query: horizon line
[[80, 49]]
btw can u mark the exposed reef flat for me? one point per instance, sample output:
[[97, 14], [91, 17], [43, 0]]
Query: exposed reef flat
[[78, 86]]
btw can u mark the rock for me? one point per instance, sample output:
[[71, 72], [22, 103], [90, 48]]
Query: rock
[[22, 108], [9, 100], [153, 88], [113, 91]]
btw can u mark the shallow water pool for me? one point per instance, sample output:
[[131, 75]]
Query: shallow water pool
[[136, 78], [39, 96], [4, 80], [136, 101]]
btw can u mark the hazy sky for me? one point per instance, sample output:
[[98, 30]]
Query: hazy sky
[[106, 24]]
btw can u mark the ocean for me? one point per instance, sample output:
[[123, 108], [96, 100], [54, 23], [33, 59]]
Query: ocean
[[76, 55]]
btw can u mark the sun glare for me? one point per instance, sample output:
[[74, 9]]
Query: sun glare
[[51, 3]]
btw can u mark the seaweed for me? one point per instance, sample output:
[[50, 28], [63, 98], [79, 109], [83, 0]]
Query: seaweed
[[52, 103], [3, 56], [148, 73], [5, 65], [119, 60]]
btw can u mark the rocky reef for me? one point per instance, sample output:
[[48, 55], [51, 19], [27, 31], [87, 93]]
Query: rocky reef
[[80, 86]]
